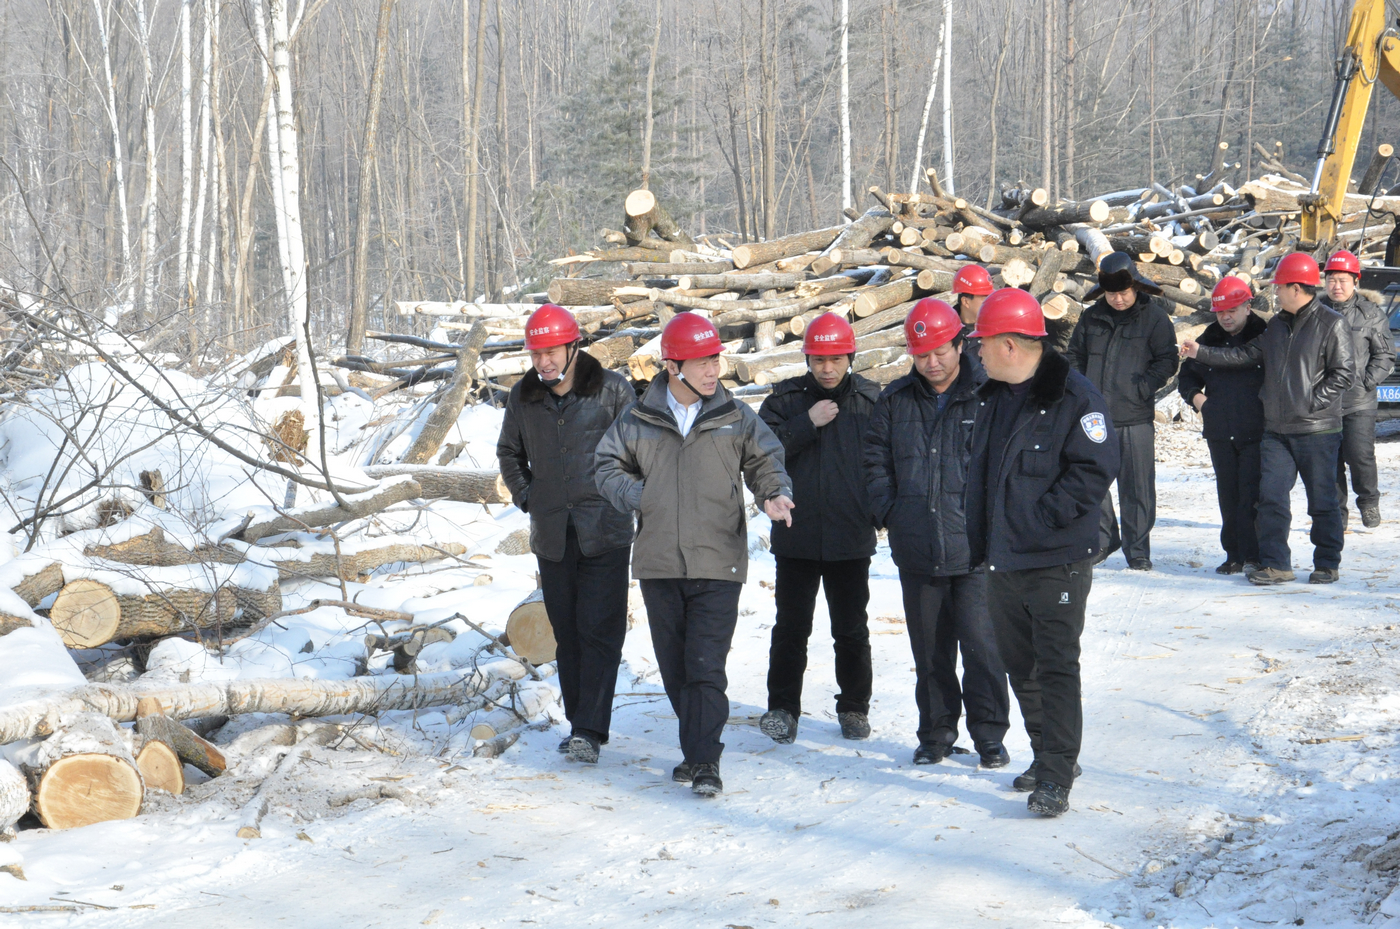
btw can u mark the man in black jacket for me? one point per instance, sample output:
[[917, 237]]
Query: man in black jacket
[[1373, 353], [916, 458], [555, 417], [1126, 345], [1232, 417], [1307, 355], [821, 418], [1043, 455]]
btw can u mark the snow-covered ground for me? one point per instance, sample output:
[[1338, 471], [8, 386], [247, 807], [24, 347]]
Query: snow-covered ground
[[1237, 753]]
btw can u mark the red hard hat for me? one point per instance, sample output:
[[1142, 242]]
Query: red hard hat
[[829, 334], [972, 279], [1009, 310], [1297, 268], [549, 326], [689, 336], [930, 323], [1229, 293], [1343, 261]]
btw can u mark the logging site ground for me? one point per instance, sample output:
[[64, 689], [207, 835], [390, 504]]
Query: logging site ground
[[1237, 767]]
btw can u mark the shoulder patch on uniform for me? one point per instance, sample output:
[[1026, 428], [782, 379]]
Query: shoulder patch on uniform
[[1095, 426]]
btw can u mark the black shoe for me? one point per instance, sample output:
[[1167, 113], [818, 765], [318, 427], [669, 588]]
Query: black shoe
[[583, 747], [932, 752], [705, 780], [1048, 799], [1229, 567], [1324, 576], [1029, 779], [854, 725], [1139, 564], [1370, 516], [780, 726], [681, 773], [563, 748], [992, 754]]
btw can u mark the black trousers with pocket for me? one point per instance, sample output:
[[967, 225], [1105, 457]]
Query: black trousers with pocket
[[586, 597], [1137, 495], [847, 588], [692, 627], [1237, 472], [1039, 617]]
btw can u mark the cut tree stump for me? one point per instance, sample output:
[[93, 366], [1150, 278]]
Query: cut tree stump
[[83, 774], [152, 723], [87, 613], [160, 766], [529, 632], [517, 543], [643, 213]]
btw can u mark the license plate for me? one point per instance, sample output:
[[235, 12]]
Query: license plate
[[1388, 393]]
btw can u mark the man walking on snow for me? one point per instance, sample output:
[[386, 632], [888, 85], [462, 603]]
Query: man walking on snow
[[916, 459], [1125, 344], [676, 458], [1373, 354], [1043, 455], [821, 418], [1307, 355], [554, 418]]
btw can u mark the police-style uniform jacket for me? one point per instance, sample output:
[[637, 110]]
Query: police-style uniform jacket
[[1036, 502]]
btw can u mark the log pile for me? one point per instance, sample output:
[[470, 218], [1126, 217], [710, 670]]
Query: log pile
[[762, 295]]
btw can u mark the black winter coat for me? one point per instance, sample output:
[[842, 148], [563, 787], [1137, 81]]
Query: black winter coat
[[831, 519], [916, 463], [546, 454], [1036, 503], [1372, 350], [1128, 355], [1233, 411], [1307, 369]]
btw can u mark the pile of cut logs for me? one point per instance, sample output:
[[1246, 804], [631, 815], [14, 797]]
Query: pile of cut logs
[[762, 295]]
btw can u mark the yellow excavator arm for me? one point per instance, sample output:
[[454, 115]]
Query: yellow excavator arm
[[1372, 53]]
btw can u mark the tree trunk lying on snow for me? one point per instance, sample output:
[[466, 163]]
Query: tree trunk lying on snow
[[356, 507], [449, 483], [528, 630], [88, 613], [153, 549], [14, 795], [449, 405], [299, 697], [82, 774], [513, 711]]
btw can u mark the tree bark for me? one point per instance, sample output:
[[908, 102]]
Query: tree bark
[[152, 723], [357, 506], [449, 407], [448, 483], [757, 253], [83, 774], [359, 310], [528, 631]]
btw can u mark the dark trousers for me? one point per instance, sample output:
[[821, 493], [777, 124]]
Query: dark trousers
[[1237, 489], [1359, 454], [1283, 458], [692, 625], [945, 614], [1039, 616], [587, 602], [847, 586], [1137, 494]]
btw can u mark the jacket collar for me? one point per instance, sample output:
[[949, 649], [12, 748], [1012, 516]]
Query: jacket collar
[[970, 378], [1108, 314], [588, 380], [1216, 335], [653, 402], [1047, 384], [859, 385]]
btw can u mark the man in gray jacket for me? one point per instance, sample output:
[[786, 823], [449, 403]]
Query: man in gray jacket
[[676, 458], [1374, 357], [554, 418], [1306, 350]]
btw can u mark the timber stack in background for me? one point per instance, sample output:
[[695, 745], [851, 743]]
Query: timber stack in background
[[906, 246]]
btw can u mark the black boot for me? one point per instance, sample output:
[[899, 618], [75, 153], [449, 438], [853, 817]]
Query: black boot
[[563, 748], [681, 773], [780, 726], [1048, 799], [932, 752], [1028, 780], [705, 780], [854, 725], [992, 754], [584, 747]]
